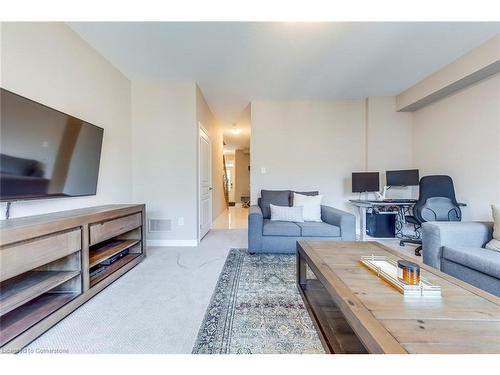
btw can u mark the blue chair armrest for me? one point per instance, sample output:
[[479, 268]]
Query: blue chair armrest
[[437, 234], [342, 219]]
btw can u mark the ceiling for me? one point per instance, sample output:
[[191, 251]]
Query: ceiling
[[236, 62]]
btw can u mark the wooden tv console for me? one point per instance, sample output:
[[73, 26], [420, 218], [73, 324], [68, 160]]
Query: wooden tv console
[[46, 263]]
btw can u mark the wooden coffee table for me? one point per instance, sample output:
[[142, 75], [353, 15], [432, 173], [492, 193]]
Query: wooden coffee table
[[357, 312]]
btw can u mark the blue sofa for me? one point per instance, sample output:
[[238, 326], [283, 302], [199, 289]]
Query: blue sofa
[[457, 248], [266, 236]]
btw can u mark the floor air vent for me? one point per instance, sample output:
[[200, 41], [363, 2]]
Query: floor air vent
[[160, 225]]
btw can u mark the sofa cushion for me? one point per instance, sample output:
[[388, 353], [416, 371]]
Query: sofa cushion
[[311, 206], [280, 228], [479, 259], [308, 193], [315, 229], [285, 213], [276, 197], [494, 244]]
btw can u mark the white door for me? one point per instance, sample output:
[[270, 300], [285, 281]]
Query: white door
[[230, 176], [205, 180]]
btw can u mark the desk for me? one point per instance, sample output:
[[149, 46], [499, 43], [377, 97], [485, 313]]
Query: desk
[[363, 204]]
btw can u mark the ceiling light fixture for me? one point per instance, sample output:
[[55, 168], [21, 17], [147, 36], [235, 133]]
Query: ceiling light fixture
[[235, 130]]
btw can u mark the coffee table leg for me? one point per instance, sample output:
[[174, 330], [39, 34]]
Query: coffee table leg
[[301, 271]]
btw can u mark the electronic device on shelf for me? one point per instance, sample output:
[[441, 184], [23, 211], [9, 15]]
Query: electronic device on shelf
[[365, 182], [114, 258], [94, 271]]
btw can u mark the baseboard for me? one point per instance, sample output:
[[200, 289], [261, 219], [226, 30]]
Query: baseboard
[[180, 243]]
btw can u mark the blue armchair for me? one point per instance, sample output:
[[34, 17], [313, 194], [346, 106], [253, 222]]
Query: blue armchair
[[457, 248]]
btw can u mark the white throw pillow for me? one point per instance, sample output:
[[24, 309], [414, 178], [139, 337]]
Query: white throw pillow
[[311, 204], [285, 213], [494, 244]]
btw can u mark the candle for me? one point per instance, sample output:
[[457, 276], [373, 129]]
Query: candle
[[408, 272]]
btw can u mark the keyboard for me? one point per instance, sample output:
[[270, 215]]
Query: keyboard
[[399, 200], [394, 201]]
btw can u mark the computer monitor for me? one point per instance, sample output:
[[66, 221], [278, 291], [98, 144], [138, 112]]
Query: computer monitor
[[363, 182], [408, 177]]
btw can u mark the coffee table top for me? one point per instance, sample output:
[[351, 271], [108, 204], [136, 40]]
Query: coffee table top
[[464, 319]]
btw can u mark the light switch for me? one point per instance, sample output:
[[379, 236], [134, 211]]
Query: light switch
[[263, 170]]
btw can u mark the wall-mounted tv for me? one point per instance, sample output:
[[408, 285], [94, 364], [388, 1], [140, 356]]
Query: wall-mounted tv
[[45, 153]]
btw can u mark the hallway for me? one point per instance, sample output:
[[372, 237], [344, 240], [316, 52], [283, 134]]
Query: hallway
[[232, 218]]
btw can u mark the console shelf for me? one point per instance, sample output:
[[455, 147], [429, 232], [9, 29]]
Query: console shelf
[[24, 317], [109, 249], [23, 288], [112, 268], [47, 260]]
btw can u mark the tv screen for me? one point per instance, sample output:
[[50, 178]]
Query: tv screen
[[363, 182], [408, 177], [45, 153]]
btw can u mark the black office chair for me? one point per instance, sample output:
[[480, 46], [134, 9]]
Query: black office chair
[[436, 202]]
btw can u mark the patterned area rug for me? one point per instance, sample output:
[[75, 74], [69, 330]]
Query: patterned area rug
[[256, 308]]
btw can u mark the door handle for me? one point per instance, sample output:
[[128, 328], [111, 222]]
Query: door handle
[[210, 188]]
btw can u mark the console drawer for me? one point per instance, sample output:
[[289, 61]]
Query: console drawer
[[111, 228], [24, 256]]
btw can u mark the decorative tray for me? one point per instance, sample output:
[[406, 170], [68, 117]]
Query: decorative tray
[[387, 269]]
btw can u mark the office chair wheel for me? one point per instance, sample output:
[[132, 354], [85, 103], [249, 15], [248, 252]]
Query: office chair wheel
[[418, 251], [401, 243]]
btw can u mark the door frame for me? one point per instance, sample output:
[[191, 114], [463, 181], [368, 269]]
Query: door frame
[[203, 132]]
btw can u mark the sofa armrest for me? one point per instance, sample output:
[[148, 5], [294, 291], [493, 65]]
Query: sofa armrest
[[436, 235], [342, 219], [255, 226]]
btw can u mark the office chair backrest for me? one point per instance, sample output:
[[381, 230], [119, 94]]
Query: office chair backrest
[[436, 201]]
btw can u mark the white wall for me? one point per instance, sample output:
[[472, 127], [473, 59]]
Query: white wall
[[389, 142], [389, 135], [165, 131], [165, 118], [307, 146], [460, 136], [49, 63]]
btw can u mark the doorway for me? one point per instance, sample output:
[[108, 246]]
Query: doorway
[[229, 167], [205, 182]]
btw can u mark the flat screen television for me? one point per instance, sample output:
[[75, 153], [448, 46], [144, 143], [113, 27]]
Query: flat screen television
[[45, 153], [364, 182]]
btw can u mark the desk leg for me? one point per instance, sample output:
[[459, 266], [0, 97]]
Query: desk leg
[[362, 223], [400, 220]]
